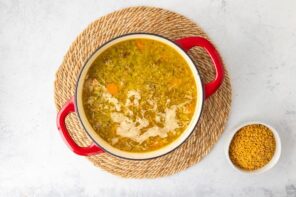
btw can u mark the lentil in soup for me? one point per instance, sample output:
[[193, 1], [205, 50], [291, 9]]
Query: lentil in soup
[[139, 95]]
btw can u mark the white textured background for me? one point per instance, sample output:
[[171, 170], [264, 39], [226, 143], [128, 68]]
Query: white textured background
[[257, 40]]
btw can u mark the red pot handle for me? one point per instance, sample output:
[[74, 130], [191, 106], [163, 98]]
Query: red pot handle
[[68, 108], [190, 42]]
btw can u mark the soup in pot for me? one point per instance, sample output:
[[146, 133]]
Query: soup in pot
[[139, 95]]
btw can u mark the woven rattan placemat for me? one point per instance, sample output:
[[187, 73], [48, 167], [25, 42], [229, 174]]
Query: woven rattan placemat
[[170, 25]]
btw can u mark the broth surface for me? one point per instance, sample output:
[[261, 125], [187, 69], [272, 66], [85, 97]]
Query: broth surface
[[139, 95]]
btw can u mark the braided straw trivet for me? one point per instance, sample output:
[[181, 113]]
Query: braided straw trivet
[[170, 25]]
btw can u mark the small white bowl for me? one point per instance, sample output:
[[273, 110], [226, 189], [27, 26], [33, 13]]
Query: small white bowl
[[275, 157]]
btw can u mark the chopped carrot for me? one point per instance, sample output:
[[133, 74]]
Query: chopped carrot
[[112, 88], [140, 44], [175, 82], [191, 107]]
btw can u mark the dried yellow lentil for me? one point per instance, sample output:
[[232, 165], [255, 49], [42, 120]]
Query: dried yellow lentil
[[252, 147]]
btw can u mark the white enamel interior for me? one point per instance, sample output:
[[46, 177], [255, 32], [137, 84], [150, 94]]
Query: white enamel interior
[[129, 155]]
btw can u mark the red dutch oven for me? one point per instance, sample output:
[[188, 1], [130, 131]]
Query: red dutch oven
[[99, 145]]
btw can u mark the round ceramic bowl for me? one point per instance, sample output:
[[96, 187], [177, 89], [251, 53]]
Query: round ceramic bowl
[[99, 145], [275, 157]]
